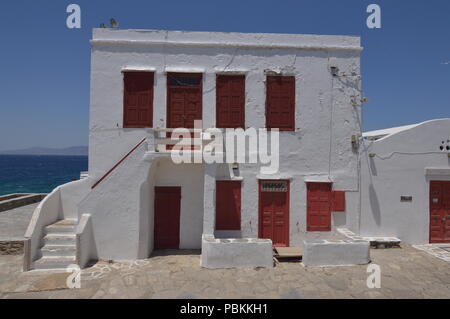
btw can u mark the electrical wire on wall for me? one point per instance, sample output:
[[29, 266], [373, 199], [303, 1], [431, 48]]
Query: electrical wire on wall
[[406, 153], [356, 85], [331, 119]]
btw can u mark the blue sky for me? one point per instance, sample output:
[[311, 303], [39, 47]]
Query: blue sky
[[44, 77]]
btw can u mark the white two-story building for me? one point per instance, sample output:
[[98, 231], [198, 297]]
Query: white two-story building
[[144, 84]]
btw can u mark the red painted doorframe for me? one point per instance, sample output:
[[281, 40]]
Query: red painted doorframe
[[439, 212], [167, 205], [278, 239]]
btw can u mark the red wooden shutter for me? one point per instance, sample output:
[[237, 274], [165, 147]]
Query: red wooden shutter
[[280, 103], [228, 205], [138, 99], [230, 101], [318, 215], [338, 201]]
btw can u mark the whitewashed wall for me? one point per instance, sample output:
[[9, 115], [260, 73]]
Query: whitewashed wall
[[403, 165], [327, 111]]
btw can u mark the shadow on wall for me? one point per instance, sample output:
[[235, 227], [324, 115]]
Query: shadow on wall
[[145, 244], [373, 168], [374, 204]]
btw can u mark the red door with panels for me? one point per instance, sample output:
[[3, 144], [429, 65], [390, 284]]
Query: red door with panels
[[228, 205], [319, 202], [440, 212], [230, 101], [138, 99], [274, 211], [184, 99], [167, 217]]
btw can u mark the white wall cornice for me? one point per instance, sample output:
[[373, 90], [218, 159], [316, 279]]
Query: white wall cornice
[[223, 45]]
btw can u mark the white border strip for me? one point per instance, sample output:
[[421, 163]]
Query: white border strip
[[224, 44]]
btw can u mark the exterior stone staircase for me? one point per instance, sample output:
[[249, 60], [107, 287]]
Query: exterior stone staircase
[[59, 250]]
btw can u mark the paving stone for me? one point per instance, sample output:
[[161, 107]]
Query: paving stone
[[406, 273]]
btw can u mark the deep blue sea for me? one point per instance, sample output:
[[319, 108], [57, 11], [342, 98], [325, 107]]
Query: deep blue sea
[[38, 174]]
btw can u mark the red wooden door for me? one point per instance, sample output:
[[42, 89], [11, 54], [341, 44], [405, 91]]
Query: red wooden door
[[230, 101], [318, 217], [184, 99], [274, 213], [440, 212], [228, 205], [138, 99], [167, 217], [280, 103]]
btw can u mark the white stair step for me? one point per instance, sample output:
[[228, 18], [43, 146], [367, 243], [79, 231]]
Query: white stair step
[[59, 239], [57, 262], [54, 229], [58, 250], [66, 222]]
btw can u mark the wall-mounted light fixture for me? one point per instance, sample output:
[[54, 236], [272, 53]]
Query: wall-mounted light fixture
[[235, 169], [334, 70]]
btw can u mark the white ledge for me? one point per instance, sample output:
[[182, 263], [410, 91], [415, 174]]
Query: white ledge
[[224, 45], [437, 171], [183, 69], [138, 68]]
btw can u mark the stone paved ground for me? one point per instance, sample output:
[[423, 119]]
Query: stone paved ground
[[441, 251], [406, 273], [14, 222]]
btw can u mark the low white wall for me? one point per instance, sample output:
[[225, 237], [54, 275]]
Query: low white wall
[[236, 253], [71, 195], [85, 242], [398, 167], [61, 203], [336, 253], [48, 212]]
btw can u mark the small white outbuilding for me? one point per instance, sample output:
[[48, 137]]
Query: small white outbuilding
[[405, 183]]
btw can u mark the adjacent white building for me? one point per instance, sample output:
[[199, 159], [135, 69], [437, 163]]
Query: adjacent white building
[[406, 183]]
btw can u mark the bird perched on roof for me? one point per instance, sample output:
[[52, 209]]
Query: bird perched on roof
[[102, 25], [114, 23]]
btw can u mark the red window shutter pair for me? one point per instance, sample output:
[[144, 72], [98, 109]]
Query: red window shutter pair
[[138, 99], [280, 103], [230, 101], [228, 205]]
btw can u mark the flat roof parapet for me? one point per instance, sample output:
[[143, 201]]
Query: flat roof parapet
[[104, 36]]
